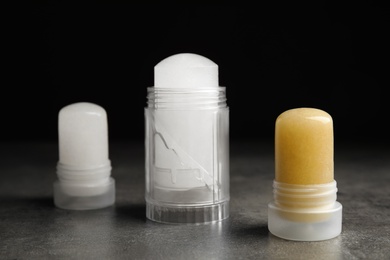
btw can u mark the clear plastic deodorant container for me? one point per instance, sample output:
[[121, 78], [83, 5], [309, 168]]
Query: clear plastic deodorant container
[[186, 142]]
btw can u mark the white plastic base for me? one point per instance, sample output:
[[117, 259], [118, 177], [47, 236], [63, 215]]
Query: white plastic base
[[305, 226], [187, 214], [84, 197]]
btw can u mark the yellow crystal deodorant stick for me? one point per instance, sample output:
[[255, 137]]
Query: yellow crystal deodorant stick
[[304, 206]]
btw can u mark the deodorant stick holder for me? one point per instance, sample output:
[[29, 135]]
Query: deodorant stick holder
[[84, 179], [187, 155], [305, 212]]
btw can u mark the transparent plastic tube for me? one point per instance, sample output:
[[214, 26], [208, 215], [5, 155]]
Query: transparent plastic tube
[[187, 155]]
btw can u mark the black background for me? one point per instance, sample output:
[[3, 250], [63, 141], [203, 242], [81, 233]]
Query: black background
[[271, 58]]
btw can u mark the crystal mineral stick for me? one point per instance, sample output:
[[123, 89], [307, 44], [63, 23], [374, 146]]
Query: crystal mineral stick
[[187, 145], [84, 168], [304, 206], [304, 147]]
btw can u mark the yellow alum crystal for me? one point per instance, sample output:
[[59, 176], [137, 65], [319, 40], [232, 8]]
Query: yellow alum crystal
[[304, 190], [304, 147]]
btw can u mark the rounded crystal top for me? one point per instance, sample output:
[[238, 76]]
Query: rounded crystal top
[[83, 135], [186, 71], [304, 147]]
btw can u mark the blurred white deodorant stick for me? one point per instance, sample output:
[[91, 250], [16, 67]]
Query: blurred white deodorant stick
[[84, 169]]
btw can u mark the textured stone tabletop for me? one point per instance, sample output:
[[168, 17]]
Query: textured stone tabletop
[[31, 227]]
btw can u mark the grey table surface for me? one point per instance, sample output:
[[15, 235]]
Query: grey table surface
[[31, 227]]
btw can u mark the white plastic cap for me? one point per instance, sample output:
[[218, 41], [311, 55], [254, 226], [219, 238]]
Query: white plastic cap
[[186, 70], [327, 226], [84, 167]]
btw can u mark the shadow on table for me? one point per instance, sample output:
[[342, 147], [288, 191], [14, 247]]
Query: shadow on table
[[136, 212], [27, 202], [250, 231]]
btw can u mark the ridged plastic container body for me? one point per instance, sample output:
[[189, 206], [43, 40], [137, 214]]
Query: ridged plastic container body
[[187, 155], [305, 212]]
